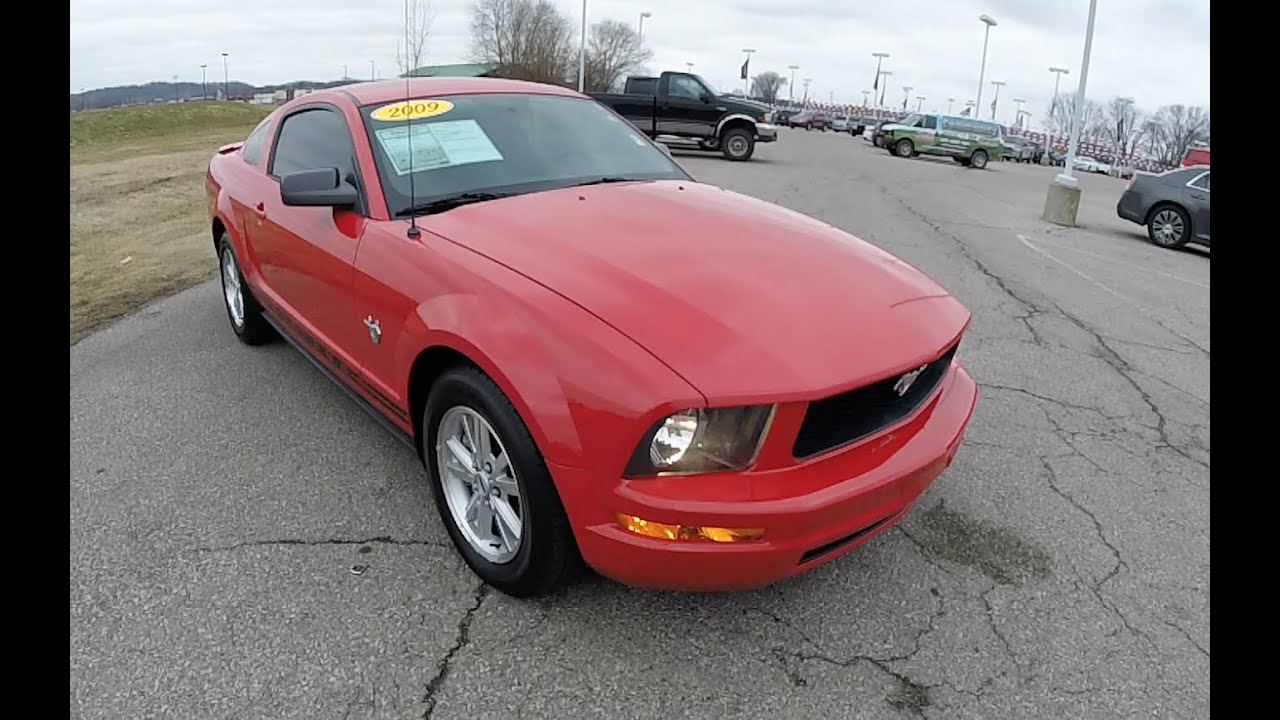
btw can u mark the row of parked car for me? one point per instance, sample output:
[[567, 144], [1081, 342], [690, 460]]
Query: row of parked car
[[820, 120]]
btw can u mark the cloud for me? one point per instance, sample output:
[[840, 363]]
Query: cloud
[[1156, 51]]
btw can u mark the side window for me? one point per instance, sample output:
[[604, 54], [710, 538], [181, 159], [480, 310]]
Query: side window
[[685, 87], [1201, 182], [252, 148], [930, 122], [313, 139]]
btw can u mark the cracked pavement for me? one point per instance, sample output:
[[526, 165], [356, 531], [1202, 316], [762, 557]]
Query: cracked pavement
[[222, 498]]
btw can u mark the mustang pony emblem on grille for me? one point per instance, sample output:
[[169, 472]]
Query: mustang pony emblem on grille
[[906, 381]]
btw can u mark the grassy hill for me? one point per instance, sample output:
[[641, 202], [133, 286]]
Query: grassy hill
[[152, 122], [138, 225]]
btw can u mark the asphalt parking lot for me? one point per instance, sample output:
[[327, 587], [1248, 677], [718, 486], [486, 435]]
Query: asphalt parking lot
[[221, 495]]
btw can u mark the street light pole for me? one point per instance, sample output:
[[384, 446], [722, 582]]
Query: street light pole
[[1125, 102], [1017, 116], [746, 81], [640, 34], [791, 86], [226, 83], [582, 51], [866, 95], [204, 82], [919, 102], [806, 82], [906, 95], [950, 102], [884, 85], [690, 66], [996, 100], [177, 97], [1065, 177], [879, 56], [982, 70], [1058, 72]]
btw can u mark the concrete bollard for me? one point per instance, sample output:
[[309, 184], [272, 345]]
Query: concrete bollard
[[1062, 204]]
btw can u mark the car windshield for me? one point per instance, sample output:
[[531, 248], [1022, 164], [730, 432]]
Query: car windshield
[[910, 120], [503, 144]]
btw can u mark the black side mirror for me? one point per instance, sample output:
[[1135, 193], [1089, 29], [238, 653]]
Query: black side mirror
[[707, 97], [322, 187]]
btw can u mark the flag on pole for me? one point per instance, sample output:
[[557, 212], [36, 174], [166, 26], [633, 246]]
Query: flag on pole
[[965, 111], [993, 108], [745, 63]]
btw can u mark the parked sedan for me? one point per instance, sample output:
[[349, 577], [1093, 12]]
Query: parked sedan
[[1173, 205], [1089, 165], [534, 298]]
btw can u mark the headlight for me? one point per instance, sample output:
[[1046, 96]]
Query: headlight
[[767, 118], [701, 441]]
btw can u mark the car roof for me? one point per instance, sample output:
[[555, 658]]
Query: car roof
[[387, 91]]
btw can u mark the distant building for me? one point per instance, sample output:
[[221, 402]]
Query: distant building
[[280, 96], [263, 99]]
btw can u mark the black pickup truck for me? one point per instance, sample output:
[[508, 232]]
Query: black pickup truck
[[682, 110]]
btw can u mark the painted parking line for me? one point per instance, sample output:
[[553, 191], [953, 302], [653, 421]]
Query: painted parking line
[[1108, 289], [1116, 261]]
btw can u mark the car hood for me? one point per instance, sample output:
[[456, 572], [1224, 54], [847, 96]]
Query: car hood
[[746, 300]]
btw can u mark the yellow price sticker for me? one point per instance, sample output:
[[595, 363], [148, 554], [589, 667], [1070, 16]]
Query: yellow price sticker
[[412, 110]]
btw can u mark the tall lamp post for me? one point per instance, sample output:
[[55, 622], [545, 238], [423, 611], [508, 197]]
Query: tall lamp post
[[806, 82], [204, 82], [690, 66], [879, 56], [1017, 116], [866, 98], [1125, 102], [640, 33], [884, 85], [791, 86], [1058, 72], [982, 69], [226, 83], [746, 81], [906, 95], [582, 50], [996, 99], [1062, 203], [919, 102], [950, 102]]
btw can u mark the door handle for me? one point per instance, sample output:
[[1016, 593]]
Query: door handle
[[261, 210]]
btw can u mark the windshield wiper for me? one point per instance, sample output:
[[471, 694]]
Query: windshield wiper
[[604, 181], [450, 202]]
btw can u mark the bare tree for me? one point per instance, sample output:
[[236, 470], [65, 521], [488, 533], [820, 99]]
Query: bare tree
[[529, 39], [1120, 125], [1062, 110], [1173, 128], [766, 85], [613, 49], [412, 47]]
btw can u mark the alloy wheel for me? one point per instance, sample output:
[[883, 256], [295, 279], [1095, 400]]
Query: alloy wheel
[[480, 484]]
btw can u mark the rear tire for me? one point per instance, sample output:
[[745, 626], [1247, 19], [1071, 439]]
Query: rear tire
[[738, 144], [243, 311], [978, 159], [1169, 226], [545, 555]]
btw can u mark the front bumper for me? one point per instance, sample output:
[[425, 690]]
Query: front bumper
[[766, 133], [811, 513]]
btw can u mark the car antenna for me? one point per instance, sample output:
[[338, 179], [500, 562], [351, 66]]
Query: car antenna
[[414, 233]]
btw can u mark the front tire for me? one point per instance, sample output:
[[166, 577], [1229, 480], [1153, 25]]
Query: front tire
[[243, 311], [738, 144], [1169, 226], [905, 148], [492, 488]]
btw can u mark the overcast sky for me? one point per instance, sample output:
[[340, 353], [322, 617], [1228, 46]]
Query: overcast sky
[[1156, 51]]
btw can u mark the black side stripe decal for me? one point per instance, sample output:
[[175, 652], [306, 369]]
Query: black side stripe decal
[[345, 371]]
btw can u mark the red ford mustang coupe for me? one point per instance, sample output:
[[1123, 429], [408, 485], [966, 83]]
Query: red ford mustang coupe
[[596, 357]]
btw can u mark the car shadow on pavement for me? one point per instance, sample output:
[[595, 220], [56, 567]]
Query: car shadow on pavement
[[1140, 236]]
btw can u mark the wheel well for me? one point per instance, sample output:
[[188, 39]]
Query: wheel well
[[218, 230], [738, 123], [429, 365], [1160, 205]]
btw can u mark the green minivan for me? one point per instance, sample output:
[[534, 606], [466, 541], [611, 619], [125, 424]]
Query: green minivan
[[969, 141]]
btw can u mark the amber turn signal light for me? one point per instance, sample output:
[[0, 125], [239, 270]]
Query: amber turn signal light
[[665, 531]]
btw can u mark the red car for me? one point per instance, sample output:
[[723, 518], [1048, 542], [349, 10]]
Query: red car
[[595, 356]]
